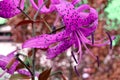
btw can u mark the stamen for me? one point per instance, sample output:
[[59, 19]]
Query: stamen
[[57, 30], [75, 68], [109, 39], [74, 57], [3, 73], [24, 13], [98, 61], [92, 36], [53, 29], [80, 37], [47, 25], [79, 49]]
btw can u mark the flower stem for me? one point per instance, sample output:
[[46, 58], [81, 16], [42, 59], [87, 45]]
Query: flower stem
[[17, 57], [24, 13], [33, 34]]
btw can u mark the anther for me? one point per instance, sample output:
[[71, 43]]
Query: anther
[[98, 61], [75, 68], [109, 39], [74, 57], [92, 36]]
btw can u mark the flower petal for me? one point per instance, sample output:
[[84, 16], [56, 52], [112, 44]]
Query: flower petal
[[43, 41], [74, 2], [90, 29], [58, 49], [8, 8], [86, 21], [69, 16], [83, 7], [96, 43], [25, 72], [4, 61]]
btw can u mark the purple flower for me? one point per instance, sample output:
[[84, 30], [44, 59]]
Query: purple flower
[[52, 5], [9, 64], [9, 59], [8, 8], [78, 26]]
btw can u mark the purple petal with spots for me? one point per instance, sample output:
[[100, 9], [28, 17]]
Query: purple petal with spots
[[8, 8], [58, 49], [86, 21], [43, 41], [76, 18], [90, 29]]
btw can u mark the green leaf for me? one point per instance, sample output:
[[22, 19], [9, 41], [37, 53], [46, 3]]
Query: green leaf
[[28, 61], [2, 20], [45, 74]]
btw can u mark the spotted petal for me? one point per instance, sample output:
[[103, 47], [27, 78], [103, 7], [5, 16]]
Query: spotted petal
[[58, 49], [8, 8], [90, 29], [43, 41]]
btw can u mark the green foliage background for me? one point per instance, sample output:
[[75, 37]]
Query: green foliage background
[[112, 13]]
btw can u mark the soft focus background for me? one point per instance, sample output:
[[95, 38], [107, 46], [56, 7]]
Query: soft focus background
[[11, 38]]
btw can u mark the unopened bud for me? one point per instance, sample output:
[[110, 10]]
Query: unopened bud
[[10, 63]]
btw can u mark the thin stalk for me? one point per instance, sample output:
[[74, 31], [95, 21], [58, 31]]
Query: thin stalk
[[24, 13], [54, 31], [17, 57], [92, 36], [33, 34], [47, 25]]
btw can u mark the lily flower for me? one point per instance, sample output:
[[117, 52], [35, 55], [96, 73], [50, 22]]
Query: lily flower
[[52, 5], [78, 26], [9, 64], [8, 8]]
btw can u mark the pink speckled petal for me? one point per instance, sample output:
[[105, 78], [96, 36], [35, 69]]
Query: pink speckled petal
[[69, 16], [90, 29], [8, 8], [58, 49], [43, 41], [86, 21]]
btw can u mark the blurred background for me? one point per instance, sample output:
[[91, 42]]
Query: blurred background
[[12, 35]]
